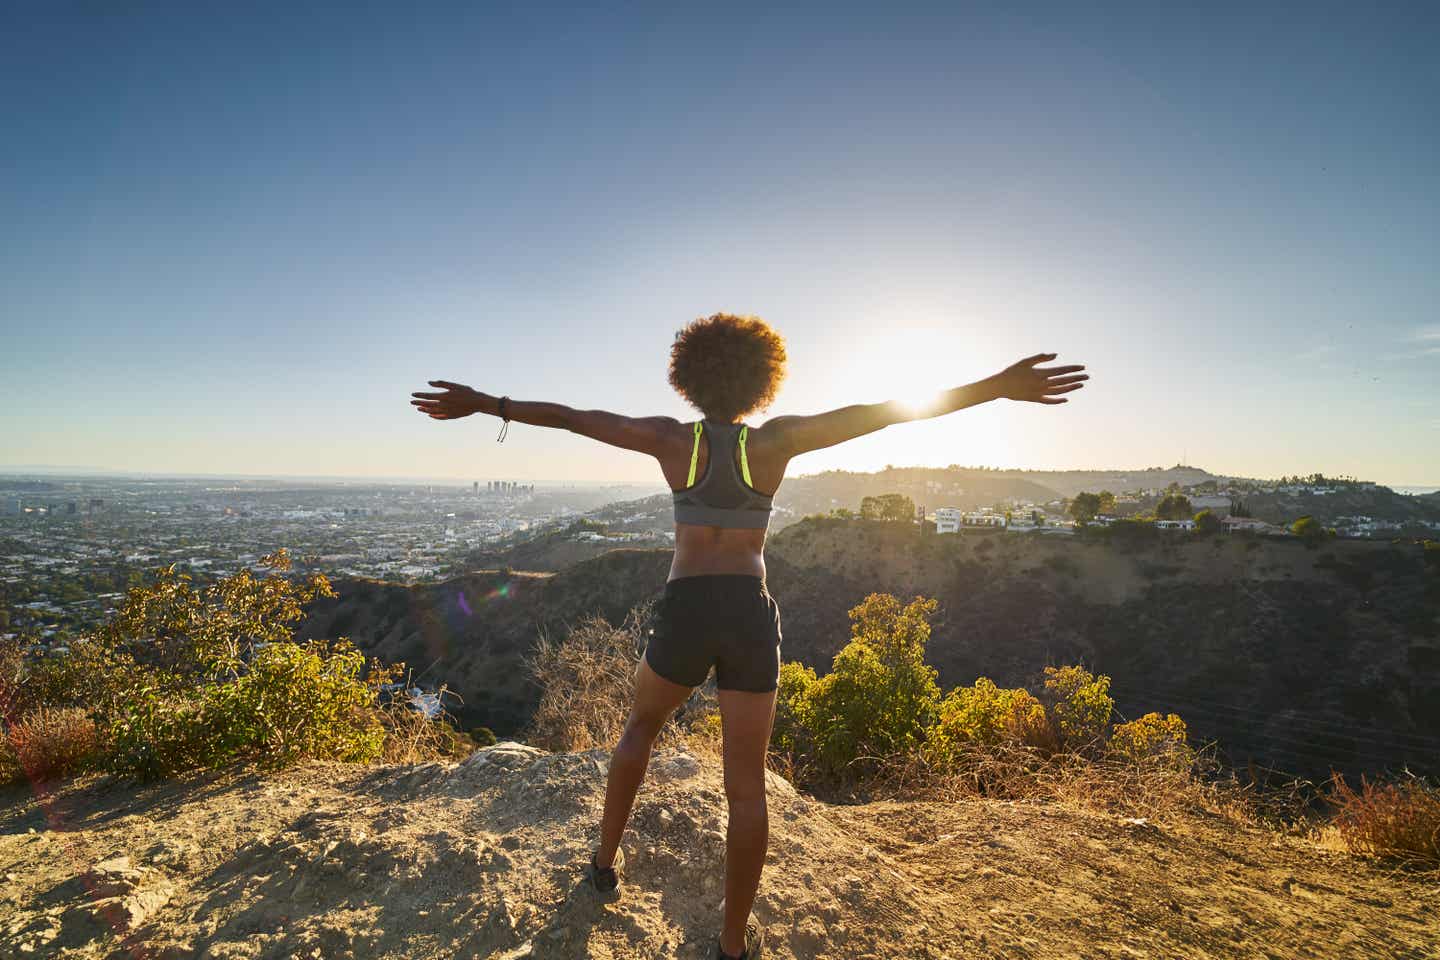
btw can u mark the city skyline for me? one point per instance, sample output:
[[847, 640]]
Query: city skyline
[[234, 249]]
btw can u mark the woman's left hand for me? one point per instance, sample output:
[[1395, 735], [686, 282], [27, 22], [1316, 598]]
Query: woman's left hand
[[1028, 381], [457, 401]]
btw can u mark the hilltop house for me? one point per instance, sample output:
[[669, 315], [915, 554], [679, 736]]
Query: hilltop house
[[1246, 524], [952, 519]]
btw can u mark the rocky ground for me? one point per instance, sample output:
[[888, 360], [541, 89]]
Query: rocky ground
[[483, 859]]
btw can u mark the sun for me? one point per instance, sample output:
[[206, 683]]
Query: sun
[[912, 371]]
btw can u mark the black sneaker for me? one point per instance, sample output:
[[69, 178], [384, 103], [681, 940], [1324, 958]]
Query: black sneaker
[[606, 879], [754, 940]]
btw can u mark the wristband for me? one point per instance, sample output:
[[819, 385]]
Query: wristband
[[504, 427]]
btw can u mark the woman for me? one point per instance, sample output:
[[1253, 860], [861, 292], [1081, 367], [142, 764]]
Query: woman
[[716, 612]]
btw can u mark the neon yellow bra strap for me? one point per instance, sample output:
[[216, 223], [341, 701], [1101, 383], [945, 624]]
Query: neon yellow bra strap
[[744, 462], [694, 456]]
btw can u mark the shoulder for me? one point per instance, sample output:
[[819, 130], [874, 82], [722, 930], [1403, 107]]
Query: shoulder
[[776, 433]]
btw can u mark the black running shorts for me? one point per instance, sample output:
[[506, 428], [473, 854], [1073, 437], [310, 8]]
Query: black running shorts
[[728, 621]]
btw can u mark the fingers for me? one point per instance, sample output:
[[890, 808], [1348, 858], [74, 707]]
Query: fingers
[[1062, 381], [430, 396], [1060, 371], [1039, 358], [1054, 391], [1050, 401], [446, 384]]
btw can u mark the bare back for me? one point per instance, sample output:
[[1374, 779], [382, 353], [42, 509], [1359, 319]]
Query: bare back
[[703, 550]]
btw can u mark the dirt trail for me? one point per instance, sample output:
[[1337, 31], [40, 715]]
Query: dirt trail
[[482, 859]]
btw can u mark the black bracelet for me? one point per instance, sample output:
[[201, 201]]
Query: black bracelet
[[504, 427]]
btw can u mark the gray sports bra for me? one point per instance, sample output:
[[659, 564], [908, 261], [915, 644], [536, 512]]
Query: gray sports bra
[[723, 497]]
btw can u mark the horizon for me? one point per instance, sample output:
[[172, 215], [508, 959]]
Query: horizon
[[227, 263], [40, 472]]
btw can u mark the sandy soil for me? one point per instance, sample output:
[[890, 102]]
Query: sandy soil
[[483, 859]]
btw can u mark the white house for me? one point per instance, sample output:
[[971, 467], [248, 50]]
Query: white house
[[947, 520]]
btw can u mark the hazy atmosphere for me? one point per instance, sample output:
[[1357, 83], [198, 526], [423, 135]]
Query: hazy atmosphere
[[970, 481], [234, 243]]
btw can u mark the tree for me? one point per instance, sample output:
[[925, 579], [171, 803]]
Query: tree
[[1238, 509], [1207, 522], [1309, 530], [888, 506], [1084, 507], [1175, 506], [1107, 502], [881, 695]]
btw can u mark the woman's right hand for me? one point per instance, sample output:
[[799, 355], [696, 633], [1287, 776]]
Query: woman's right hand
[[456, 401], [1028, 381]]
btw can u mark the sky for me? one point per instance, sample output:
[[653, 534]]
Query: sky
[[234, 238]]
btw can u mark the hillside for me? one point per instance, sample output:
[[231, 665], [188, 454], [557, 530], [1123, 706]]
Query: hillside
[[482, 859], [1298, 659], [1378, 502]]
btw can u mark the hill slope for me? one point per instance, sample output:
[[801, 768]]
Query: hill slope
[[1300, 659], [482, 859]]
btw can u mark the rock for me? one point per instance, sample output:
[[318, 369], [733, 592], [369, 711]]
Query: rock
[[173, 853], [114, 877], [129, 912], [776, 784], [807, 938], [680, 766]]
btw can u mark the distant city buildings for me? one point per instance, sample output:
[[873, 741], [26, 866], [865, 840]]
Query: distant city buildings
[[506, 488]]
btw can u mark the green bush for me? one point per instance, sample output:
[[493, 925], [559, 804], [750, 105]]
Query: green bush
[[294, 702], [1206, 522], [183, 677], [985, 715], [1079, 705], [880, 697], [483, 736], [1153, 738], [793, 717]]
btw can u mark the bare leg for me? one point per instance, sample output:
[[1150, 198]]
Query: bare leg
[[655, 699], [746, 719]]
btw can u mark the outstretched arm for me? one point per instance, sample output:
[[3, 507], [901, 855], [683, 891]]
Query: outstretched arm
[[1025, 380], [643, 434]]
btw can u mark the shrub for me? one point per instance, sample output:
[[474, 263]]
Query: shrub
[[793, 716], [1310, 531], [1206, 522], [413, 737], [182, 677], [293, 702], [483, 736], [1399, 820], [985, 715], [586, 683], [47, 744], [1153, 738], [880, 696], [1079, 705]]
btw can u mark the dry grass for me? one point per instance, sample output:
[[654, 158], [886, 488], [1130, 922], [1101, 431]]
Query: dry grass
[[1154, 788], [586, 683], [411, 737], [1397, 821], [47, 744]]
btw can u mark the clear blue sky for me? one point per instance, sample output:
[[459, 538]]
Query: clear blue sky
[[234, 238]]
